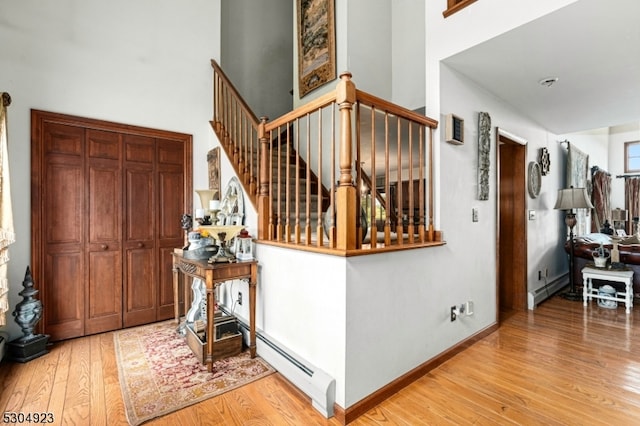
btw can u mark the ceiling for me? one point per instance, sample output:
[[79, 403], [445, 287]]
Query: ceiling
[[591, 46]]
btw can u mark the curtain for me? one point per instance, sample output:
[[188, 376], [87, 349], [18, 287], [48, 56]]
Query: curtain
[[601, 198], [632, 200], [7, 235], [577, 170]]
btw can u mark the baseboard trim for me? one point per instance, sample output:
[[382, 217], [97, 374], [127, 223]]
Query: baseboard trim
[[317, 385], [537, 296], [369, 402]]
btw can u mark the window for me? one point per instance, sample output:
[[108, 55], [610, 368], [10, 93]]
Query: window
[[455, 5], [632, 157]]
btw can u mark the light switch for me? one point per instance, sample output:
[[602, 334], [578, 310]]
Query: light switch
[[532, 215], [474, 214]]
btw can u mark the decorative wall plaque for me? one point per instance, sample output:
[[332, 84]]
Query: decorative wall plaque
[[484, 151], [213, 161], [544, 161], [534, 181]]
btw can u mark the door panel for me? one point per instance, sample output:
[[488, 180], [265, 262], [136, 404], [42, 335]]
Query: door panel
[[140, 286], [171, 199], [140, 257], [63, 312], [139, 219], [104, 228], [104, 205], [104, 292], [62, 139], [60, 224], [62, 219]]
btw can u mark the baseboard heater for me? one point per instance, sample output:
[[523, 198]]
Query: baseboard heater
[[312, 381], [536, 296]]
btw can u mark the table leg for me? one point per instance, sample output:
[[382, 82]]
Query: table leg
[[252, 315], [628, 298], [187, 294], [211, 307], [585, 289], [176, 300]]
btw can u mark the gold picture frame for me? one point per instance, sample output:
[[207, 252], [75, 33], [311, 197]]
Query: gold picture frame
[[213, 161], [316, 44]]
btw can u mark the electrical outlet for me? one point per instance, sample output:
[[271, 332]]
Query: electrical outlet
[[454, 314], [469, 308], [474, 214], [239, 298]]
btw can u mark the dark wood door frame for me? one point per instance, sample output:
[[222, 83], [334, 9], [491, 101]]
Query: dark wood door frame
[[511, 223]]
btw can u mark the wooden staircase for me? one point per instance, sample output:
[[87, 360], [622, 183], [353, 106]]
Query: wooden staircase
[[291, 179], [295, 193]]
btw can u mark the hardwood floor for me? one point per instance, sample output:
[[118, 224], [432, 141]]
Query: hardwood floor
[[558, 365]]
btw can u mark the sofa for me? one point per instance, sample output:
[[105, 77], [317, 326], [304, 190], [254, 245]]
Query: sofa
[[584, 246]]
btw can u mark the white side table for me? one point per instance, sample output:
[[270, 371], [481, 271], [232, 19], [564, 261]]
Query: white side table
[[625, 277]]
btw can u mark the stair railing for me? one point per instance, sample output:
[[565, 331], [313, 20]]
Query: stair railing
[[237, 128], [299, 170]]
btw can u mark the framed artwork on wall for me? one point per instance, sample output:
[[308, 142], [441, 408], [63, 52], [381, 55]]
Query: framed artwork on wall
[[316, 44], [213, 161]]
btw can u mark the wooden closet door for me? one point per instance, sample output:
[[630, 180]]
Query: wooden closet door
[[103, 298], [171, 155], [59, 227], [140, 277], [106, 202]]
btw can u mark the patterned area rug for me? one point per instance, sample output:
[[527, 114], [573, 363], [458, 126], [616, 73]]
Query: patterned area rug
[[159, 374]]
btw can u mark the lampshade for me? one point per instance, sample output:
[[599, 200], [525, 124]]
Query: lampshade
[[619, 215], [573, 198], [206, 195]]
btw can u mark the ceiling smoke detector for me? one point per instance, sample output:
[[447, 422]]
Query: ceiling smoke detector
[[548, 81]]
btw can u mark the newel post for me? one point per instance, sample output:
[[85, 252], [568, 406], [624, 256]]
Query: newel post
[[263, 191], [346, 192]]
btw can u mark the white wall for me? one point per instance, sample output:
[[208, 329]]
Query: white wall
[[367, 40], [144, 63], [302, 304], [445, 37], [545, 234], [465, 29], [257, 53], [408, 53]]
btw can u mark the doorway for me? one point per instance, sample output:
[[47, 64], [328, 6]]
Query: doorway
[[511, 224]]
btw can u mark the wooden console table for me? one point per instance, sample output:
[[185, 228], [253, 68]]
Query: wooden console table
[[214, 274]]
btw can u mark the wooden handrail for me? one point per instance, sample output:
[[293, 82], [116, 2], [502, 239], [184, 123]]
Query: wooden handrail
[[230, 87], [391, 108], [305, 109], [454, 6], [282, 164]]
